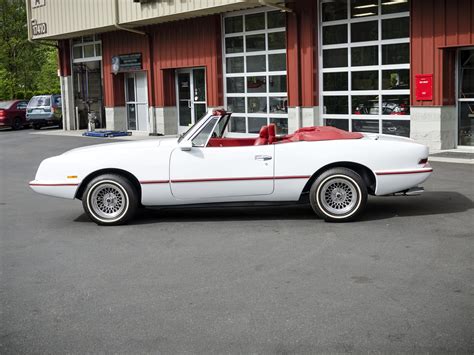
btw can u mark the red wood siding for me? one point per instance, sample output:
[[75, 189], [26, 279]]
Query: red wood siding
[[437, 28], [64, 57], [302, 54], [117, 43], [190, 43]]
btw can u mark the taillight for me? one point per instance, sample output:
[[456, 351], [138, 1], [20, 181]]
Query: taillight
[[2, 113], [423, 161]]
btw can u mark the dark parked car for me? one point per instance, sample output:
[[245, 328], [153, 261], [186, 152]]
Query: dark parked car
[[45, 110], [13, 114]]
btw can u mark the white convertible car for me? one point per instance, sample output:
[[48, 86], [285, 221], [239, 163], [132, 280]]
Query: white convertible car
[[335, 170]]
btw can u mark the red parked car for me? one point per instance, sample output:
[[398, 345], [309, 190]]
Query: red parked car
[[13, 114]]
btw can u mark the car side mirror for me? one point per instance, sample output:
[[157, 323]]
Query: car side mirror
[[186, 146]]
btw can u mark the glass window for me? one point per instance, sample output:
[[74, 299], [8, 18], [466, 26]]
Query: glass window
[[466, 123], [396, 105], [276, 62], [335, 105], [259, 93], [466, 74], [391, 6], [255, 43], [278, 105], [201, 139], [277, 83], [364, 8], [364, 56], [98, 50], [370, 126], [396, 127], [364, 31], [338, 123], [255, 22], [365, 105], [335, 58], [89, 51], [365, 80], [236, 104], [257, 104], [334, 34], [256, 63], [235, 65], [276, 40], [237, 124], [234, 45], [77, 52], [256, 123], [395, 79], [396, 53], [396, 28], [281, 125], [234, 24], [333, 11], [235, 85], [256, 84], [276, 19], [335, 81]]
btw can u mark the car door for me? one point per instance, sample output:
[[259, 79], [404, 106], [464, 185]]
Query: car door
[[221, 173]]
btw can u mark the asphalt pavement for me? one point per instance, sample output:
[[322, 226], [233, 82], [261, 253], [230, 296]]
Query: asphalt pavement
[[213, 281]]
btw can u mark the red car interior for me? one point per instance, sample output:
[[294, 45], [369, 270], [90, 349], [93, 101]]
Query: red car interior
[[267, 135], [263, 136]]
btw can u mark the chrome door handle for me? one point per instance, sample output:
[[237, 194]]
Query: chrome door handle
[[263, 157]]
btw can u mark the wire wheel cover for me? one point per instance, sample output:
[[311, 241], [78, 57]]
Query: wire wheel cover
[[108, 201], [338, 196]]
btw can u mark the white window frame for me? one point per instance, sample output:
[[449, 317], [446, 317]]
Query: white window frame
[[245, 74], [349, 69], [82, 45]]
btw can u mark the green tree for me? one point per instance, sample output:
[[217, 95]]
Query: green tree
[[24, 67]]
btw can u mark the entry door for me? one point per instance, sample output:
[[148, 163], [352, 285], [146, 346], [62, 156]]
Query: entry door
[[466, 98], [136, 97], [191, 96]]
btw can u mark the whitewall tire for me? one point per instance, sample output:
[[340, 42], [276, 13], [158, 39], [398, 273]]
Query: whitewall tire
[[338, 195], [110, 200]]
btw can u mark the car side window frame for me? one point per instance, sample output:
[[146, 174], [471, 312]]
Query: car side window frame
[[22, 105], [217, 119]]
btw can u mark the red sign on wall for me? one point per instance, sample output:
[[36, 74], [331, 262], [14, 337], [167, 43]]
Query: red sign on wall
[[424, 87]]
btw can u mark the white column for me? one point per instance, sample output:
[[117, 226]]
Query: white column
[[67, 97]]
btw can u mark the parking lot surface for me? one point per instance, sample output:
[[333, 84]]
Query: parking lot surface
[[253, 280]]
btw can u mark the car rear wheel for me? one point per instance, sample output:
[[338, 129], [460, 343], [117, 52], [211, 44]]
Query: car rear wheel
[[16, 123], [110, 200], [338, 195]]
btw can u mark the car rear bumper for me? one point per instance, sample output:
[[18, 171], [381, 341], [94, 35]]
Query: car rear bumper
[[60, 189], [394, 181]]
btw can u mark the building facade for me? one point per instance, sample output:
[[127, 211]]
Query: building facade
[[402, 67]]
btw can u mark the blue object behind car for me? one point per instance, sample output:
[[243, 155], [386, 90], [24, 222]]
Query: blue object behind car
[[44, 110]]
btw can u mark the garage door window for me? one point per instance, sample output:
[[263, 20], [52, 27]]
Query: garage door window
[[255, 70], [366, 65]]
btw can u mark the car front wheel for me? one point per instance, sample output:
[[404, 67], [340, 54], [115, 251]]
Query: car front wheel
[[338, 195], [110, 200]]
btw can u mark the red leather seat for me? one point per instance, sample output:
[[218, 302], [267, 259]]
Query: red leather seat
[[263, 136], [271, 133]]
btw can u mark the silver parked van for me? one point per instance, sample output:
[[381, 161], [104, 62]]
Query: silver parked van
[[45, 110]]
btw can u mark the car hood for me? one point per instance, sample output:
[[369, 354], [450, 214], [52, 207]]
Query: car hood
[[124, 146]]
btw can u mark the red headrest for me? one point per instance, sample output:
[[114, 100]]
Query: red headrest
[[271, 130], [264, 132]]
